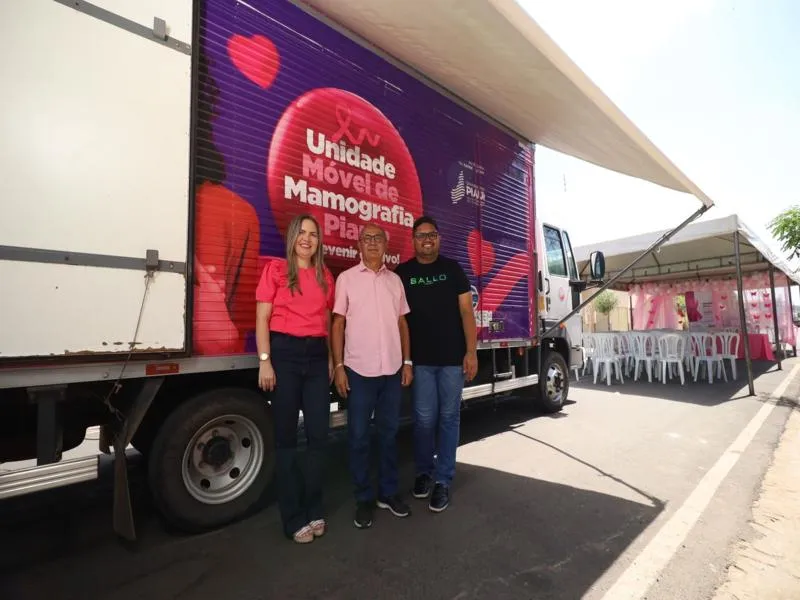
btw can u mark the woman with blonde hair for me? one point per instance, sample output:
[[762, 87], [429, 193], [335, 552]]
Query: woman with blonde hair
[[293, 315]]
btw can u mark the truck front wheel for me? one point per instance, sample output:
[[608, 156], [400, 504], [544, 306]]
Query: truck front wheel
[[212, 459], [553, 382]]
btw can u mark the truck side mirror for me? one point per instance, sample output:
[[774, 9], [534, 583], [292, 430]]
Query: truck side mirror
[[597, 265]]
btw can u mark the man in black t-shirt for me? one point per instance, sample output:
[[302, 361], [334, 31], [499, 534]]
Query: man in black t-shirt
[[443, 350]]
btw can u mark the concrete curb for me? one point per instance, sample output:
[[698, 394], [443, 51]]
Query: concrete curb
[[767, 566]]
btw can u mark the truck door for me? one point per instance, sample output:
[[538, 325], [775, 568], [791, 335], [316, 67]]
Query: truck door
[[560, 297], [556, 285], [574, 323]]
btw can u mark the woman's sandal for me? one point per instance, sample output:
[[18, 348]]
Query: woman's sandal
[[318, 527], [304, 535]]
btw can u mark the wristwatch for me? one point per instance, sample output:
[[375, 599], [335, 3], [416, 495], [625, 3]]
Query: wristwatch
[[263, 357], [408, 362]]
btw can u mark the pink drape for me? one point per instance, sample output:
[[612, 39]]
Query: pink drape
[[692, 308], [654, 311], [726, 308], [654, 304], [784, 310]]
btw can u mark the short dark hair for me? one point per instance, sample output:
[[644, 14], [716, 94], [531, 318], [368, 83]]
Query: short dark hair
[[422, 221]]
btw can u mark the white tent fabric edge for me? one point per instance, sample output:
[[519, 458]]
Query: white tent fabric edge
[[493, 56], [696, 232]]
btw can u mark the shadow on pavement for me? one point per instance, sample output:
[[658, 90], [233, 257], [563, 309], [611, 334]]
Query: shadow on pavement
[[699, 392], [504, 536]]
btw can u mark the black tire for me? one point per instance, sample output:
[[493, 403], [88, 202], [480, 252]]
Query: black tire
[[553, 382], [174, 498]]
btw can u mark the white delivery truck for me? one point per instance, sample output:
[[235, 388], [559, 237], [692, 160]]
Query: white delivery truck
[[153, 154]]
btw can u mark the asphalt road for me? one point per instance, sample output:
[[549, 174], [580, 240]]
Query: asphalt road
[[543, 507]]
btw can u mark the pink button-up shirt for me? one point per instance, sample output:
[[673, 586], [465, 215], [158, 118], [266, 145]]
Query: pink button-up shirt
[[372, 304]]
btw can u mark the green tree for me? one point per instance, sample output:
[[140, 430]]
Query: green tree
[[786, 229], [683, 314], [606, 302]]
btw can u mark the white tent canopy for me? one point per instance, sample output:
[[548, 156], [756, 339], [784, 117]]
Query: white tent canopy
[[495, 57], [702, 249]]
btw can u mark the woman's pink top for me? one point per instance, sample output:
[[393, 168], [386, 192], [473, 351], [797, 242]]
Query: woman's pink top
[[302, 314]]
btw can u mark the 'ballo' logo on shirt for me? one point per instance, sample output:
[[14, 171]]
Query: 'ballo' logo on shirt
[[428, 280]]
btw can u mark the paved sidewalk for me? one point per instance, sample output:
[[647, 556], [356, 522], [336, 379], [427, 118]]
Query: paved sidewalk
[[767, 565]]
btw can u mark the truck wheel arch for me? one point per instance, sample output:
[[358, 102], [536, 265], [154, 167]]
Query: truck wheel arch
[[195, 496], [553, 388]]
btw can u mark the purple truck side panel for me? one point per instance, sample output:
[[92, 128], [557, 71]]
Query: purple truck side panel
[[294, 117]]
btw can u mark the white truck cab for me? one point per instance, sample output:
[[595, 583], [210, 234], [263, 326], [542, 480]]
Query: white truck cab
[[560, 286]]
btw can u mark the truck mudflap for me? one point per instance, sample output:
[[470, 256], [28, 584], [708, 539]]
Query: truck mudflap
[[553, 329]]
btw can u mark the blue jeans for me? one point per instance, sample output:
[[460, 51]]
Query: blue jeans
[[301, 382], [437, 409], [381, 394]]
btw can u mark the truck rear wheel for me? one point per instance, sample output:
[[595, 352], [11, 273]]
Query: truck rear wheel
[[553, 382], [212, 459]]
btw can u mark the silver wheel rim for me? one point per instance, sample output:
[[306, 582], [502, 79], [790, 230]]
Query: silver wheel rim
[[223, 459], [554, 384]]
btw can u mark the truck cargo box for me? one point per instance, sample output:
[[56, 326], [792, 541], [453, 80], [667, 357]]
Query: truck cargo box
[[290, 115], [295, 116], [95, 145]]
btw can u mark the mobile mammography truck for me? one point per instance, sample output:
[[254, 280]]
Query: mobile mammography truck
[[154, 154]]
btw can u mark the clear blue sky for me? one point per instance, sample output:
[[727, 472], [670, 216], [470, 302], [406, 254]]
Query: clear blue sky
[[714, 83]]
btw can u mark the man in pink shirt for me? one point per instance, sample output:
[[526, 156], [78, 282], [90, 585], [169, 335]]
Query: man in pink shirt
[[370, 345]]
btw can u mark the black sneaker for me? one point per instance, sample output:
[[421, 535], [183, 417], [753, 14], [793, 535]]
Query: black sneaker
[[364, 512], [422, 486], [394, 504], [440, 498]]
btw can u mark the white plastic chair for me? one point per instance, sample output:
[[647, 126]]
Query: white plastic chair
[[589, 342], [729, 340], [671, 348], [688, 359], [644, 351], [606, 355], [625, 351], [704, 351], [575, 368]]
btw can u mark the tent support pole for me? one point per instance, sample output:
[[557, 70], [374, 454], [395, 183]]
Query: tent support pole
[[742, 319], [658, 243], [630, 304], [789, 284], [778, 344]]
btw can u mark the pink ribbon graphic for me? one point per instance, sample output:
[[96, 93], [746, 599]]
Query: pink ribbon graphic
[[344, 119]]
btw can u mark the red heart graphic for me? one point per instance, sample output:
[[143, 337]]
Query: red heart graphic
[[481, 253], [508, 276], [255, 57]]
